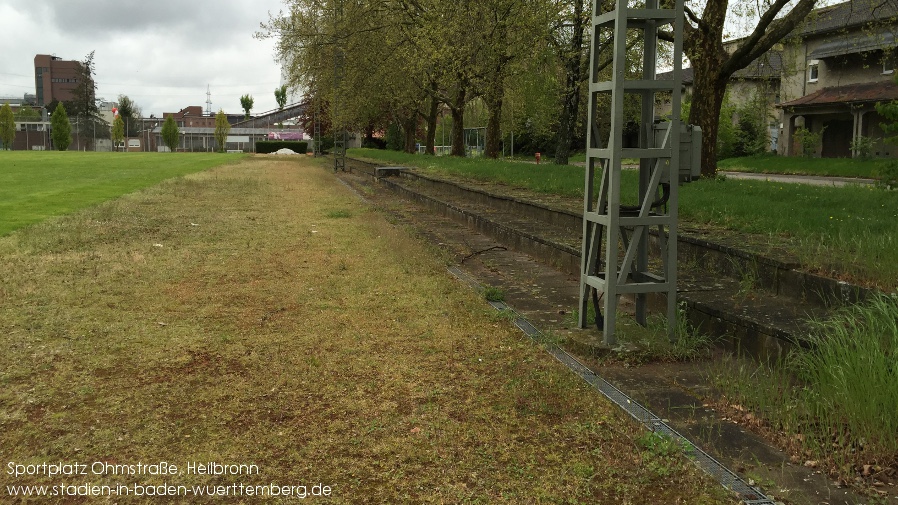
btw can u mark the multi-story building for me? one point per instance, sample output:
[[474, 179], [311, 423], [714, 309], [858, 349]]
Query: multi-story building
[[840, 65], [54, 78]]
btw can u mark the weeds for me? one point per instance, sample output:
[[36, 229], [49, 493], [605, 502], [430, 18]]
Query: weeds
[[837, 399], [494, 294]]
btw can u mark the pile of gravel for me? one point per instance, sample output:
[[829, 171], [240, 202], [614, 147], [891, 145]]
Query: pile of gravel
[[284, 151]]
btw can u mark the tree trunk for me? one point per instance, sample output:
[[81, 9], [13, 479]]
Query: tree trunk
[[493, 129], [409, 126], [574, 75], [431, 119], [458, 122], [705, 112]]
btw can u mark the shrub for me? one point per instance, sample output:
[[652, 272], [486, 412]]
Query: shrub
[[270, 146], [863, 146], [888, 176], [808, 142], [394, 139], [374, 143]]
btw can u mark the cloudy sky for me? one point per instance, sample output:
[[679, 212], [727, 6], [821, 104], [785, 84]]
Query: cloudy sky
[[160, 53]]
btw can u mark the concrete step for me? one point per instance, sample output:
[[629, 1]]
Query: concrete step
[[759, 304]]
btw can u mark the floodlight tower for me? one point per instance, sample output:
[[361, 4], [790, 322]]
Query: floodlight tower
[[615, 249]]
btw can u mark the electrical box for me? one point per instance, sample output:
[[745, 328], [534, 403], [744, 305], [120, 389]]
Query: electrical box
[[690, 149]]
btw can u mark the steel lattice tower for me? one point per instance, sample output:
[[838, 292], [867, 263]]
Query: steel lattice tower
[[614, 256]]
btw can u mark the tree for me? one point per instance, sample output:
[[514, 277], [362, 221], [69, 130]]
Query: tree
[[118, 131], [83, 105], [26, 113], [246, 103], [61, 128], [130, 113], [280, 96], [713, 65], [7, 126], [222, 127], [170, 133]]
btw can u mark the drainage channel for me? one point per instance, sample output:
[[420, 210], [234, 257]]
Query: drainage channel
[[749, 495]]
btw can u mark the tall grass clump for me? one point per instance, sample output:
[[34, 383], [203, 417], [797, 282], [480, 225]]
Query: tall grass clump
[[838, 398], [852, 378]]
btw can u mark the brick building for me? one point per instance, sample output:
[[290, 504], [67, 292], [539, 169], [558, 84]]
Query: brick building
[[54, 78]]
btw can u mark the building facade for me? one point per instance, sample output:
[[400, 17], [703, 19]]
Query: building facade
[[54, 78], [840, 65]]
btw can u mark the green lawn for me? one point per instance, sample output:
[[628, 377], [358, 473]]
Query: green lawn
[[36, 185], [772, 164], [850, 230]]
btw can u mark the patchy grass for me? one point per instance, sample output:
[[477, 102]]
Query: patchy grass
[[772, 164], [848, 232], [35, 185], [229, 317]]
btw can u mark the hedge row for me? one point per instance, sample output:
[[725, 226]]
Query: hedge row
[[270, 146]]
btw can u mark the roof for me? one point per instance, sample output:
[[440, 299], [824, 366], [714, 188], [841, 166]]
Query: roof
[[848, 14], [854, 43], [854, 93], [767, 66], [688, 75], [196, 130]]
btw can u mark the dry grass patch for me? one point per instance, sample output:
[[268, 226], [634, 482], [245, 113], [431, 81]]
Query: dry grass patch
[[260, 313]]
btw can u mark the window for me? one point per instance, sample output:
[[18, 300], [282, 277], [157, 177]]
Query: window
[[889, 63], [813, 70]]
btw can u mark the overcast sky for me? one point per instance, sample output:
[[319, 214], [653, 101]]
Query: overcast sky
[[160, 53]]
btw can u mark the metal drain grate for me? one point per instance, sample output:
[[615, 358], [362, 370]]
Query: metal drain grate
[[749, 495]]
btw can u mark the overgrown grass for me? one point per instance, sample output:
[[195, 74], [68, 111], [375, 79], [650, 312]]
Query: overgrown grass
[[849, 230], [652, 342], [261, 313], [772, 164], [836, 401], [35, 185], [545, 177]]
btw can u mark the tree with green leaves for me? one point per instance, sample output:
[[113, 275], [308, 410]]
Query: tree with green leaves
[[280, 96], [60, 128], [222, 127], [83, 106], [170, 133], [130, 113], [26, 113], [7, 126], [713, 64], [246, 103], [118, 131]]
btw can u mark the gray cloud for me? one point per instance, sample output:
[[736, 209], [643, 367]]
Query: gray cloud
[[161, 53]]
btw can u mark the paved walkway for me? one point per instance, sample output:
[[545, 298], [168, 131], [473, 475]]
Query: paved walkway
[[816, 180]]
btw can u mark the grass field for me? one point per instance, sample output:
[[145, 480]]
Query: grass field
[[771, 164], [846, 231], [260, 314], [35, 185]]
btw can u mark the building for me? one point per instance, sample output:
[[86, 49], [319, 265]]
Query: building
[[840, 66], [54, 78]]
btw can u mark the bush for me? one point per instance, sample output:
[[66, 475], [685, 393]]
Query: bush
[[808, 142], [863, 146], [750, 136], [394, 139], [888, 176], [270, 146], [374, 143]]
